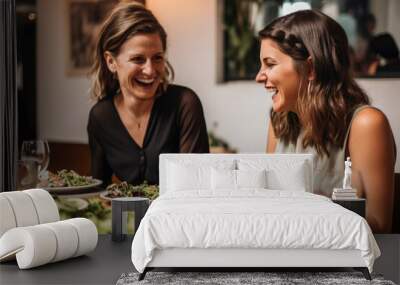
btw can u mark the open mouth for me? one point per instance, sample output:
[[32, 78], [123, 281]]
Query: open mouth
[[272, 91], [144, 82]]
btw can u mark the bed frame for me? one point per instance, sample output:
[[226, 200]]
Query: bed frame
[[246, 258], [242, 259]]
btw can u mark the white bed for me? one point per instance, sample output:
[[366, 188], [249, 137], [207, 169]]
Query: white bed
[[247, 210]]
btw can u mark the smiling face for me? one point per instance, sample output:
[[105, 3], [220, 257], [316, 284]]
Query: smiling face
[[139, 66], [279, 76]]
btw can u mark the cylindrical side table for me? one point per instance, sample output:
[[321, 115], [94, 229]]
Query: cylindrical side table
[[120, 207]]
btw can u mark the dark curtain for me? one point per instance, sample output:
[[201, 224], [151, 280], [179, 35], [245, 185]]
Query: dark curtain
[[8, 96]]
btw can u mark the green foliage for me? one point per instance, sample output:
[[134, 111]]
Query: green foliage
[[215, 141], [241, 43], [96, 211]]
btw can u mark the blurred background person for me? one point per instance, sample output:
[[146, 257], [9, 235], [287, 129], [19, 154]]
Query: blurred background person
[[385, 52]]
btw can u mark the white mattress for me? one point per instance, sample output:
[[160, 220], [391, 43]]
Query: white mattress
[[252, 218]]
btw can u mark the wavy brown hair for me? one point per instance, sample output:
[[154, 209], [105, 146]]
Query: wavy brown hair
[[326, 107], [126, 20]]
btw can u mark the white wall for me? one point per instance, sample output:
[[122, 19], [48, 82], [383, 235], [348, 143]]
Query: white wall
[[63, 102], [240, 108], [393, 20], [387, 14], [379, 8], [385, 95]]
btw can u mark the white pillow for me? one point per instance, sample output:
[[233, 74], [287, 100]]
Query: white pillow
[[251, 178], [236, 179], [185, 175], [292, 180], [223, 179], [281, 174]]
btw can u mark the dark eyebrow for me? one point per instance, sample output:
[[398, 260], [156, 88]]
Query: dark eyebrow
[[266, 59], [142, 55], [135, 55]]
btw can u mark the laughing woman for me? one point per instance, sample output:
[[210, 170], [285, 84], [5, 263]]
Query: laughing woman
[[138, 114], [318, 108]]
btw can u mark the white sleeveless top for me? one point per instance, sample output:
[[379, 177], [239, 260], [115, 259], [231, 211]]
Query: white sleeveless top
[[328, 171]]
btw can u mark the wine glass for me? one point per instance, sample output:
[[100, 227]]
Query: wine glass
[[27, 174], [37, 151]]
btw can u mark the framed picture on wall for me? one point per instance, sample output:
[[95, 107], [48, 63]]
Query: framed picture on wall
[[84, 20]]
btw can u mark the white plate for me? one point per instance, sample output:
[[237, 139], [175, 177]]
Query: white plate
[[74, 189], [73, 204]]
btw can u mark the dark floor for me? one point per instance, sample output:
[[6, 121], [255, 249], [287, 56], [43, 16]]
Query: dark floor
[[102, 266], [111, 259]]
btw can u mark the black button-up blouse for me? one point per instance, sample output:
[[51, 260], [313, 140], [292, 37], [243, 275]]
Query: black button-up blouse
[[176, 125]]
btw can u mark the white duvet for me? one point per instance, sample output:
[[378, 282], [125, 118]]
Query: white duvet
[[253, 218]]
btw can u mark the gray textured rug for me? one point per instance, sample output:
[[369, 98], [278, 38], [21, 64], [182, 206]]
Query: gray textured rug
[[242, 278]]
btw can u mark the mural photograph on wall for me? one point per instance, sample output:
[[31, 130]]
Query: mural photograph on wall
[[84, 19], [241, 22], [372, 35]]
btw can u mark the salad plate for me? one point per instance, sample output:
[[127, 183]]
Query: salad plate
[[74, 189], [124, 189], [69, 182]]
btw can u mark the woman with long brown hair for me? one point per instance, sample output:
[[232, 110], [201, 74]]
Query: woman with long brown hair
[[138, 113], [319, 108]]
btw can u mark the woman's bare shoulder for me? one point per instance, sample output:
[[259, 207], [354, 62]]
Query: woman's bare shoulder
[[371, 134], [368, 120]]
